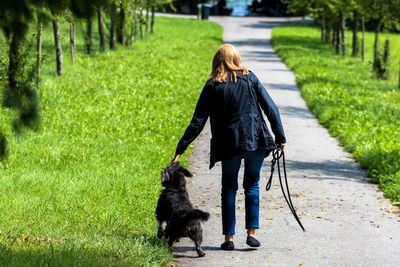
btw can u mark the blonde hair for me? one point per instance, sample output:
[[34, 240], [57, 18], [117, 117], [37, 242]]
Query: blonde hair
[[225, 64]]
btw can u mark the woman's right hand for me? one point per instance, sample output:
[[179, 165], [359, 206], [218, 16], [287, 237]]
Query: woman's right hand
[[281, 146]]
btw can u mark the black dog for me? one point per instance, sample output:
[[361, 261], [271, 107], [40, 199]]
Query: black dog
[[175, 209]]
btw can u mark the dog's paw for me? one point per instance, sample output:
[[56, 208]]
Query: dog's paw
[[160, 234], [201, 253]]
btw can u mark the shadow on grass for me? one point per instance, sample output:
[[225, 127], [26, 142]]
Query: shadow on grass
[[125, 251], [49, 255]]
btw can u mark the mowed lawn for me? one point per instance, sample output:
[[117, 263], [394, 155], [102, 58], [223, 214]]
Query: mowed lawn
[[361, 111], [82, 190]]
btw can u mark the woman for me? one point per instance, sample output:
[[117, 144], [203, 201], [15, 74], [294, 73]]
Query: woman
[[233, 98]]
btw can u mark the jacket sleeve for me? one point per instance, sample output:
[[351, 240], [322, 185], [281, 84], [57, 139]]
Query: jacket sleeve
[[197, 123], [270, 110]]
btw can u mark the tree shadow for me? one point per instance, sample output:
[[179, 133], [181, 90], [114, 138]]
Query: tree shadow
[[296, 112], [29, 251], [271, 24], [326, 170], [55, 256], [284, 87]]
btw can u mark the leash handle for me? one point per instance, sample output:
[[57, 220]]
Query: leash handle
[[277, 154], [275, 157], [268, 187]]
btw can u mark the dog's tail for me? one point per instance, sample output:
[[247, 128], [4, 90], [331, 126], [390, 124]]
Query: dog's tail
[[196, 214]]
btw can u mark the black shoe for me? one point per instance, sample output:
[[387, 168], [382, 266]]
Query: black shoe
[[228, 245], [252, 242]]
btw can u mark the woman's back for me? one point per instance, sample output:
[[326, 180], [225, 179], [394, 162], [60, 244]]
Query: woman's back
[[233, 98]]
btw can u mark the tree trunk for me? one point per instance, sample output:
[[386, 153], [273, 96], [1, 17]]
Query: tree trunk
[[141, 24], [72, 41], [343, 33], [89, 39], [113, 27], [328, 33], [363, 39], [102, 35], [333, 34], [3, 146], [57, 43], [323, 29], [354, 52], [38, 49], [337, 38], [134, 27], [147, 19], [399, 75], [121, 26], [386, 58], [376, 65], [13, 61], [153, 11]]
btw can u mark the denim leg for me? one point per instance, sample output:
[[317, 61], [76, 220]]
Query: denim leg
[[230, 170], [252, 167]]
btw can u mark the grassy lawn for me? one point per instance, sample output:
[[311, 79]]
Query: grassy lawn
[[81, 191], [362, 112]]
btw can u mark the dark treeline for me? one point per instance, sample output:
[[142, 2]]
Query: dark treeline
[[336, 16], [19, 17]]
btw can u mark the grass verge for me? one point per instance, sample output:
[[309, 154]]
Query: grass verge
[[82, 190], [361, 111]]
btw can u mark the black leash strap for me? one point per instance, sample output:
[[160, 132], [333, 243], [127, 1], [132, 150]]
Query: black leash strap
[[277, 155]]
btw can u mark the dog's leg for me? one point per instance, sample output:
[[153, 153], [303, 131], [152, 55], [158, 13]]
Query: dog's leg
[[197, 237], [160, 231], [171, 240], [199, 250]]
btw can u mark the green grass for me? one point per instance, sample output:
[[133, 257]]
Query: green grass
[[361, 111], [82, 190]]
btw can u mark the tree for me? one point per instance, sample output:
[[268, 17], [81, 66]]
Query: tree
[[72, 43], [113, 26], [121, 24], [102, 34], [41, 16], [57, 7], [86, 9], [18, 94], [380, 12]]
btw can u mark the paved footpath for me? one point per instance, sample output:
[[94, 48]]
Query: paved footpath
[[348, 221]]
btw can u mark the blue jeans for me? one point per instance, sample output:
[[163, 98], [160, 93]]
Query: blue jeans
[[230, 169]]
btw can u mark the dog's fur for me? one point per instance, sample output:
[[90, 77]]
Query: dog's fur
[[174, 208]]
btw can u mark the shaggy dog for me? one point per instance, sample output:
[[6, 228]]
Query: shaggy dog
[[174, 208]]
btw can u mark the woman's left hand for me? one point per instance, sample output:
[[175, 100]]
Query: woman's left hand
[[175, 159]]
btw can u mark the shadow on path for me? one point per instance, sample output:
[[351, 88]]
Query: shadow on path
[[331, 169]]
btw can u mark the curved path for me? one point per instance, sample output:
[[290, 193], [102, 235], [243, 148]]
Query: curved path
[[348, 221]]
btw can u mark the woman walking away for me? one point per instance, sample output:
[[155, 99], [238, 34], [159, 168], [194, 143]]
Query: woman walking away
[[233, 98]]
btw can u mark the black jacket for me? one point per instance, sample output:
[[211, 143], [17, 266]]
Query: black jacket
[[237, 124]]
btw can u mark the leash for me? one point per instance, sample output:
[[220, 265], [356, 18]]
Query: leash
[[277, 154]]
